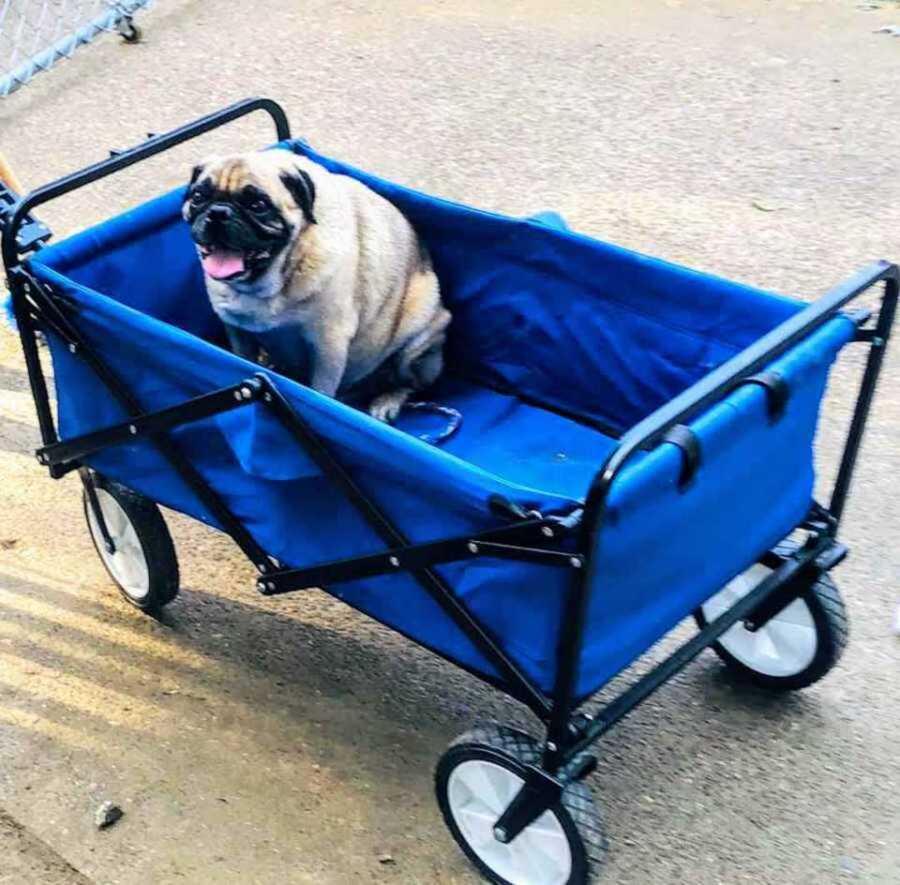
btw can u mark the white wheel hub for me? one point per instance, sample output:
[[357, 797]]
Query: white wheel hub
[[479, 792], [784, 647], [127, 564]]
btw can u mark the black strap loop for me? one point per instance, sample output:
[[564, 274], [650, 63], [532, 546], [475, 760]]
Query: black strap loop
[[777, 391], [686, 440]]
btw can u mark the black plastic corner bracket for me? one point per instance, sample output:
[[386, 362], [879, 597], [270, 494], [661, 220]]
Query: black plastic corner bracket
[[777, 391], [682, 436], [32, 234]]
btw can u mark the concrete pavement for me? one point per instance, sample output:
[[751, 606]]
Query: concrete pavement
[[292, 740]]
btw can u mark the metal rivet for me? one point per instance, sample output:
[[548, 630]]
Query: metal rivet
[[394, 561], [500, 834], [575, 562], [551, 746], [878, 341], [261, 566], [237, 394], [473, 547], [267, 397], [270, 586], [547, 532], [73, 348], [246, 393], [132, 429]]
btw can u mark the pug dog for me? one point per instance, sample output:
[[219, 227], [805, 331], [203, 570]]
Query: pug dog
[[320, 274]]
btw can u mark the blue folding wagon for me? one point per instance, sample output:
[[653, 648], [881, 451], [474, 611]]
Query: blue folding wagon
[[636, 447]]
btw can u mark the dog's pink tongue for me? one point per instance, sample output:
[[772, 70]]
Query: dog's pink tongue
[[220, 264]]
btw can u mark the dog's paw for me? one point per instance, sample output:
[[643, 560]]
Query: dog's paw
[[387, 406]]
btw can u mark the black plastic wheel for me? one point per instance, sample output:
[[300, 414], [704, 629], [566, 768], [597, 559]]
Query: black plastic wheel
[[142, 564], [797, 647], [476, 778]]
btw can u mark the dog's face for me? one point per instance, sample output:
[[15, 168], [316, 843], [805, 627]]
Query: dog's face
[[246, 211]]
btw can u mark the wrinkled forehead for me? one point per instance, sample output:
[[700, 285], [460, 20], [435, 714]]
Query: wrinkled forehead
[[233, 175]]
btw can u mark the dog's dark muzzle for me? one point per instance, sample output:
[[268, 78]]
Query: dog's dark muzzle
[[220, 214], [226, 226], [222, 227], [233, 243]]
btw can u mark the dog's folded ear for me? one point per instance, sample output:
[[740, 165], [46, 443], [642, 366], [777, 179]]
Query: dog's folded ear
[[301, 188], [196, 172]]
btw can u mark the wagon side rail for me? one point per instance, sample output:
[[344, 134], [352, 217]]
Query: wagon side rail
[[667, 423], [118, 160]]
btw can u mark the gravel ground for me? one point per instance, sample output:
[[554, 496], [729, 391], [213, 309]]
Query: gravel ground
[[292, 740]]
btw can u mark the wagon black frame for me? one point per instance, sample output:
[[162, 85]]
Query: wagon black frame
[[568, 541]]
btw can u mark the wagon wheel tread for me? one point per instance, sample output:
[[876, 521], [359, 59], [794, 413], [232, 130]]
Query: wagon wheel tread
[[576, 799], [829, 612], [155, 541], [833, 605]]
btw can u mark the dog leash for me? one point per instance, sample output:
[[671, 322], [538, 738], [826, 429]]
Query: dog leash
[[454, 420]]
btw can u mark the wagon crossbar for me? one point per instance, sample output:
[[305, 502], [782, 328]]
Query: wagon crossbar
[[508, 542], [68, 452]]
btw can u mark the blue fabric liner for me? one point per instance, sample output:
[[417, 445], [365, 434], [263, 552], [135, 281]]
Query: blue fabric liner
[[544, 319]]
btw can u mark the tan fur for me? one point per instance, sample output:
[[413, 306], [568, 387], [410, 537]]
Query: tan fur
[[356, 285]]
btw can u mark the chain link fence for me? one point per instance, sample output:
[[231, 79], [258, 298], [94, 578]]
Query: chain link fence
[[35, 34]]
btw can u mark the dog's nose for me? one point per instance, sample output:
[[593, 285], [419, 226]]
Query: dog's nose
[[220, 212]]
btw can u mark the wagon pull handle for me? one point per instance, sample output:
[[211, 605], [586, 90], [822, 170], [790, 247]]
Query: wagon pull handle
[[155, 145]]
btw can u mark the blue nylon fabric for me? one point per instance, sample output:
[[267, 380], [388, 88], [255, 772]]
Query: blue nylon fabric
[[754, 485], [545, 315], [301, 520], [571, 321]]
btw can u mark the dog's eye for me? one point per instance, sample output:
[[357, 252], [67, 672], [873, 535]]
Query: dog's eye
[[258, 205]]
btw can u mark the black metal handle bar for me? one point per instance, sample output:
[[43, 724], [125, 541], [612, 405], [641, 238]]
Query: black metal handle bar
[[647, 433], [154, 145]]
